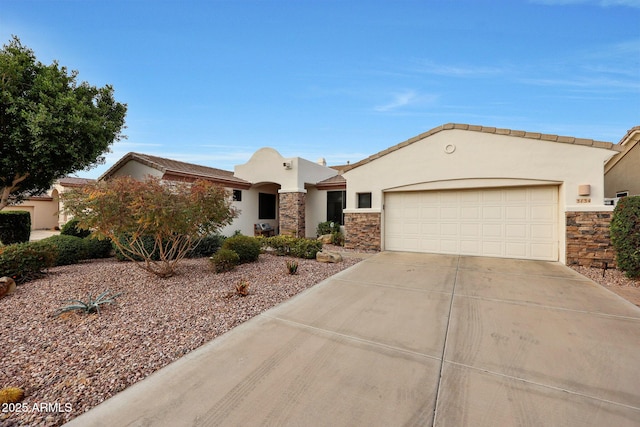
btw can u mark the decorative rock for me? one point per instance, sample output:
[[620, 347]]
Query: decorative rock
[[7, 286], [326, 239], [328, 256]]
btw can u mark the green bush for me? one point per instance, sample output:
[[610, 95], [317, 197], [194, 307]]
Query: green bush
[[293, 246], [247, 248], [306, 248], [327, 227], [15, 227], [97, 248], [26, 261], [625, 235], [71, 249], [224, 260], [281, 245], [208, 246], [337, 238], [71, 229]]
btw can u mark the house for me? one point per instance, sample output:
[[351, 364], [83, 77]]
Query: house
[[289, 194], [46, 210], [622, 172], [455, 189], [473, 190]]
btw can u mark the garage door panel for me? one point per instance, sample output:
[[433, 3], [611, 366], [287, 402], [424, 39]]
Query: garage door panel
[[515, 222]]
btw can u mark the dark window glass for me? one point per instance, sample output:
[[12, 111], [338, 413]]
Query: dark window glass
[[364, 200], [336, 202], [237, 195], [266, 206]]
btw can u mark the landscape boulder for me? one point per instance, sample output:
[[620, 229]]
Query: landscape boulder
[[7, 286], [326, 239], [328, 256]]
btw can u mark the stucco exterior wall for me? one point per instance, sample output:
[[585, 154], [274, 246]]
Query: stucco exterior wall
[[137, 170], [457, 159], [625, 175], [44, 213], [316, 210], [249, 211], [454, 158]]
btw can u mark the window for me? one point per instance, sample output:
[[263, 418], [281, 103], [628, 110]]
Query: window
[[364, 200], [622, 194], [336, 203], [237, 195], [266, 206]]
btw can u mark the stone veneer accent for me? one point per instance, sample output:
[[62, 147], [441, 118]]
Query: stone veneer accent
[[291, 214], [588, 239], [362, 231]]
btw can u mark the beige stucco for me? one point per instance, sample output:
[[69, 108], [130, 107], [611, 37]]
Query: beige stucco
[[624, 173], [43, 212], [456, 159], [137, 170]]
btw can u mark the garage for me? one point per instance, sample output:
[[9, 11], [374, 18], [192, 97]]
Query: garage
[[507, 222]]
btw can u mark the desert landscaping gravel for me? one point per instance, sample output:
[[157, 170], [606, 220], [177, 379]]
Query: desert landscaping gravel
[[75, 361]]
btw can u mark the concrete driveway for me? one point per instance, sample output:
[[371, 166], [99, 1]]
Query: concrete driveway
[[411, 340]]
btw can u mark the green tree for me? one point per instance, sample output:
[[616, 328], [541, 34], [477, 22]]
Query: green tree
[[174, 216], [50, 126]]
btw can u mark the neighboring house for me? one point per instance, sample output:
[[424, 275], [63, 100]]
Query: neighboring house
[[622, 172], [474, 190], [289, 194], [46, 210]]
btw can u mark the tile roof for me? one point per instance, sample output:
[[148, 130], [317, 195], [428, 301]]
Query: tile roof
[[630, 140], [176, 169], [336, 181], [485, 129], [71, 181]]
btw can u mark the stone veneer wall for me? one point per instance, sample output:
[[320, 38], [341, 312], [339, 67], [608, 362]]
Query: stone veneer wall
[[291, 214], [588, 239], [362, 231]]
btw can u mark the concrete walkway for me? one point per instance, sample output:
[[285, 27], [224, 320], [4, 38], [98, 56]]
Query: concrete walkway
[[410, 340]]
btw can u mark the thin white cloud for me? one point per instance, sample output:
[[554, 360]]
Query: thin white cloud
[[405, 99], [430, 67]]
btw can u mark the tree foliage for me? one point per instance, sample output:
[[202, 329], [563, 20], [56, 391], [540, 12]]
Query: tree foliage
[[50, 126], [174, 215], [625, 235]]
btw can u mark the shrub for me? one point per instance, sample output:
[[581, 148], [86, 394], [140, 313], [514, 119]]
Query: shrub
[[281, 245], [15, 227], [327, 227], [71, 249], [337, 238], [98, 248], [71, 229], [242, 289], [208, 246], [625, 235], [306, 248], [144, 244], [224, 260], [175, 215], [247, 248], [26, 261]]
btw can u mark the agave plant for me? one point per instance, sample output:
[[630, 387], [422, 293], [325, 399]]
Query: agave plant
[[91, 305], [292, 267]]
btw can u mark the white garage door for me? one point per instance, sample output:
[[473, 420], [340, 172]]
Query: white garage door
[[517, 222]]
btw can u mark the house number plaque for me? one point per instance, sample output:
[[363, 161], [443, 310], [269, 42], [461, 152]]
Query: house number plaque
[[583, 200]]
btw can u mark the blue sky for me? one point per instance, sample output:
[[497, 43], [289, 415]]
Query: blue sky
[[210, 82]]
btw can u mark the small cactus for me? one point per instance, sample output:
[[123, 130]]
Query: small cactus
[[11, 395]]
